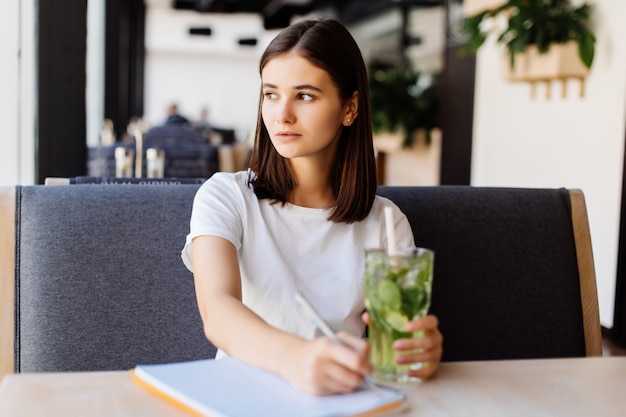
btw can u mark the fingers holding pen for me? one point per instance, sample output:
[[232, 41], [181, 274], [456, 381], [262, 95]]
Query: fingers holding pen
[[339, 361], [350, 361], [357, 356], [332, 368]]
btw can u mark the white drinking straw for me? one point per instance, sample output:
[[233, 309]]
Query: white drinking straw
[[391, 233]]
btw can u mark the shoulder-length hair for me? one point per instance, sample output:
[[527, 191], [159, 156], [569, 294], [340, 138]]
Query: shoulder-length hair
[[327, 44]]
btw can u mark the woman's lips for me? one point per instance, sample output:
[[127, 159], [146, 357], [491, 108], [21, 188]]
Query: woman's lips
[[287, 135]]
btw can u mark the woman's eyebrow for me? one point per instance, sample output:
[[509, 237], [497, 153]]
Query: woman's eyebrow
[[297, 87], [307, 87]]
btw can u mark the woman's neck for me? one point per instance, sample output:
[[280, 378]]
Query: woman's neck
[[312, 187]]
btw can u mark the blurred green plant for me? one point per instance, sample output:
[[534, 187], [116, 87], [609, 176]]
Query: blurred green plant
[[403, 99], [534, 22]]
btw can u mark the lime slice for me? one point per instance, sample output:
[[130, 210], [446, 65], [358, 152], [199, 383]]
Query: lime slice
[[389, 294], [397, 320]]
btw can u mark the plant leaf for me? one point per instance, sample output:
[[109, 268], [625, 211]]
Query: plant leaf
[[586, 48]]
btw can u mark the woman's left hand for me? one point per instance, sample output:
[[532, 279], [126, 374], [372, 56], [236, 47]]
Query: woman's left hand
[[425, 349]]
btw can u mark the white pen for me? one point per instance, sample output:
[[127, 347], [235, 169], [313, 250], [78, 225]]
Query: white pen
[[325, 328]]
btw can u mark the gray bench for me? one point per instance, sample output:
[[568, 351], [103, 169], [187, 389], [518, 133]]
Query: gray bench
[[91, 276]]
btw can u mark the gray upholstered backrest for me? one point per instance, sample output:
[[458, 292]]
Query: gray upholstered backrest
[[100, 283], [506, 283]]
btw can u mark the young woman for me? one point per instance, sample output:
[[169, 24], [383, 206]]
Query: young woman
[[299, 220]]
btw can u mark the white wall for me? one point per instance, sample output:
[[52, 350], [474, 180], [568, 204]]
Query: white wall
[[17, 89], [8, 98], [198, 71], [94, 96], [561, 142]]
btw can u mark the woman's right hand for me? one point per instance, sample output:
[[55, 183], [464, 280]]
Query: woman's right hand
[[323, 367]]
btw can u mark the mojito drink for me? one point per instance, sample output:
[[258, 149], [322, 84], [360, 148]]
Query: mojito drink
[[397, 290]]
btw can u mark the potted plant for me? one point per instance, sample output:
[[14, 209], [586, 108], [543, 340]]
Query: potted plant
[[534, 28], [402, 99]]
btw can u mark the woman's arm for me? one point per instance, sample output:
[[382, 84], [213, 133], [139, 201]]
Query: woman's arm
[[318, 367]]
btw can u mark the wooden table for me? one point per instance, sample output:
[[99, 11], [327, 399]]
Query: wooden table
[[546, 387]]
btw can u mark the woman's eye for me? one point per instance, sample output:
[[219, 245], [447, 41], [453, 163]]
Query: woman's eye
[[306, 97], [269, 95]]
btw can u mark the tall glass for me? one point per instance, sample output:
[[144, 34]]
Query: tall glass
[[397, 290]]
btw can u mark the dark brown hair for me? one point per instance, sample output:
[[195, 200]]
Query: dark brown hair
[[327, 44]]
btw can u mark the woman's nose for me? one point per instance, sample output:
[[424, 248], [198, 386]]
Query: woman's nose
[[285, 112]]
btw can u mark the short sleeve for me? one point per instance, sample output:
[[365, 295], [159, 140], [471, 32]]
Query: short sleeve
[[217, 210]]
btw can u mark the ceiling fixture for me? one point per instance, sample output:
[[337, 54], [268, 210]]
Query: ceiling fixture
[[201, 31], [278, 13]]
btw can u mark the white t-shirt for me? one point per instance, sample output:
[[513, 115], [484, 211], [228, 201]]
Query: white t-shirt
[[284, 249]]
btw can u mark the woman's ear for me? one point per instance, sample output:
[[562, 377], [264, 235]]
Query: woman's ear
[[352, 109]]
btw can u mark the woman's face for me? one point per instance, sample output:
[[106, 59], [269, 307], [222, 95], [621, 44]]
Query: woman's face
[[301, 108]]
